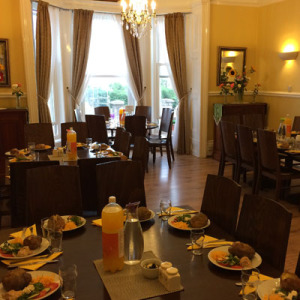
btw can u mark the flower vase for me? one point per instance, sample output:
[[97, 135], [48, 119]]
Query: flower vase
[[18, 101], [240, 96]]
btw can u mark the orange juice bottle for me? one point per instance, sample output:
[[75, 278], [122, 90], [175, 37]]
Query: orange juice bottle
[[112, 236], [288, 125], [71, 144]]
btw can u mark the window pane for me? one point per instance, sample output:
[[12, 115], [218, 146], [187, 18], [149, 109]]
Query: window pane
[[167, 95]]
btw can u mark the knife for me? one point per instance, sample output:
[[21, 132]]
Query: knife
[[209, 242], [33, 263]]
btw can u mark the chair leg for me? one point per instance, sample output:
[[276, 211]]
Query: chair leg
[[257, 184], [161, 152], [154, 154], [254, 181], [278, 189], [233, 172], [221, 166], [238, 173], [168, 155], [172, 151]]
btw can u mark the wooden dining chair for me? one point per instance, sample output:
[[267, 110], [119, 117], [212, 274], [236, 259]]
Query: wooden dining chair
[[136, 125], [166, 141], [229, 148], [88, 181], [247, 154], [97, 128], [124, 145], [297, 271], [296, 124], [269, 164], [265, 225], [18, 189], [221, 201], [145, 111], [123, 179], [52, 190], [104, 111], [141, 151], [40, 133], [117, 142], [79, 127]]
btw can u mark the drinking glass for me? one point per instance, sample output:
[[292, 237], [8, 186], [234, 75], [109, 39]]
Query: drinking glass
[[250, 281], [165, 209], [88, 142], [55, 240], [197, 239], [31, 149], [68, 275], [44, 223]]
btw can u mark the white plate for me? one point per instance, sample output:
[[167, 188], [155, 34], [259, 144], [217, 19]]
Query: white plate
[[21, 150], [151, 217], [255, 262], [267, 287], [47, 147], [42, 248], [66, 218], [171, 219], [35, 274]]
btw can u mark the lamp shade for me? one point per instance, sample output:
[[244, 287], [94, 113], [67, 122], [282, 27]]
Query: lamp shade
[[288, 55]]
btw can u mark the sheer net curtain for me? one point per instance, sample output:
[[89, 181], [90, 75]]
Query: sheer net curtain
[[162, 58], [107, 55], [60, 102]]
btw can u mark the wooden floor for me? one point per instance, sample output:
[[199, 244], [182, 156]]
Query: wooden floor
[[185, 182]]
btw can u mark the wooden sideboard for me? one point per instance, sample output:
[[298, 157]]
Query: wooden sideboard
[[11, 132], [253, 115]]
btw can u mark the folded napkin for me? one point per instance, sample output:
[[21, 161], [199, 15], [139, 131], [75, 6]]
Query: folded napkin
[[98, 222], [178, 211], [249, 289], [210, 239], [32, 260], [18, 234]]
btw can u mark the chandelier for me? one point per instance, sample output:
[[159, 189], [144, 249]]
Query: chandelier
[[137, 16]]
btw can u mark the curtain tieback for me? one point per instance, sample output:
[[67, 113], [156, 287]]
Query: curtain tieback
[[45, 101], [142, 97], [186, 94]]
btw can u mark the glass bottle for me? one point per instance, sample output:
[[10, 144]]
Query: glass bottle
[[71, 144], [133, 236]]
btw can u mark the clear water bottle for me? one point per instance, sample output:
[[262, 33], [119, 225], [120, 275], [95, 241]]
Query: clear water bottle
[[133, 236]]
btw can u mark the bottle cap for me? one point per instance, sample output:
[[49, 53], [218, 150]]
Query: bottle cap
[[112, 199], [172, 271]]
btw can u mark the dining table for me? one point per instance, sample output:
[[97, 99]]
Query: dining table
[[199, 277]]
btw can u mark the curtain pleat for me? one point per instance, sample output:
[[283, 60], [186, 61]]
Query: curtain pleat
[[134, 59], [43, 60], [82, 29], [175, 39]]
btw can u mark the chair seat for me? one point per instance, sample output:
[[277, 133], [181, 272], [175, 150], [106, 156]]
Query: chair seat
[[156, 142]]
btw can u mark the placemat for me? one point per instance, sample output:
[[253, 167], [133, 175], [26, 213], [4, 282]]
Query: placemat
[[130, 284]]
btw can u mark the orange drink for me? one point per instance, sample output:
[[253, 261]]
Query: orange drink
[[71, 144], [112, 236]]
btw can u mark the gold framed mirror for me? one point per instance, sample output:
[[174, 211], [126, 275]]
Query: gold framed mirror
[[231, 61]]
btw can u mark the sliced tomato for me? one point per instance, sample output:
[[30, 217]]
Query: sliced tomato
[[42, 294], [53, 286]]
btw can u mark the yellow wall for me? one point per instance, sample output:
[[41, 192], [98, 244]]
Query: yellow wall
[[10, 28]]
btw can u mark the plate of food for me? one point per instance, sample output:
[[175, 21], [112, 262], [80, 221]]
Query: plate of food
[[15, 152], [286, 287], [20, 284], [18, 248], [81, 145], [189, 222], [64, 223], [236, 257], [21, 158], [145, 214], [41, 147]]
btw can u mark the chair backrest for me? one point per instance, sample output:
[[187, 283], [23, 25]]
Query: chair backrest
[[88, 181], [104, 111], [79, 127], [141, 151], [228, 139], [296, 123], [221, 201], [18, 189], [123, 179], [97, 128], [265, 225], [245, 144], [297, 271], [254, 121], [125, 143], [53, 190], [117, 141], [268, 158], [136, 125], [165, 120], [40, 133], [143, 111]]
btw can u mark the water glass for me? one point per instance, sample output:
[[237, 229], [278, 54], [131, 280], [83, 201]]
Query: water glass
[[88, 142], [68, 275], [250, 281], [197, 239], [44, 223], [31, 149], [55, 240], [165, 209]]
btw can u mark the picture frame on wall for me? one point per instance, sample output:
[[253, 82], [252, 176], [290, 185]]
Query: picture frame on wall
[[4, 64]]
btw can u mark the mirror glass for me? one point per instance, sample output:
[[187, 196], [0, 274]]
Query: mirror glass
[[231, 61]]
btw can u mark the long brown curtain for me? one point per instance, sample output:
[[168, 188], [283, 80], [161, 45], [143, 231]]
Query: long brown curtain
[[82, 30], [174, 30], [134, 58], [43, 60]]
